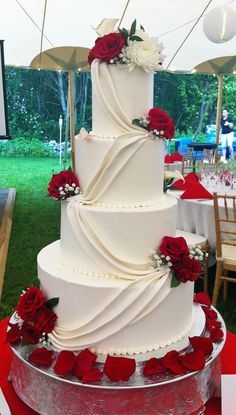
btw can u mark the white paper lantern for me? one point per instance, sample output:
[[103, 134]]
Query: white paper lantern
[[220, 24]]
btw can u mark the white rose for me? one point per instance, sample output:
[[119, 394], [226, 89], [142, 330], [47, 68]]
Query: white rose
[[106, 26], [146, 53]]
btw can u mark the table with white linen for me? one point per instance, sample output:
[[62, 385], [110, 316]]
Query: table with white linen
[[197, 216], [176, 165]]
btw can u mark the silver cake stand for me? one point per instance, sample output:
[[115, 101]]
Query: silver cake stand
[[165, 394]]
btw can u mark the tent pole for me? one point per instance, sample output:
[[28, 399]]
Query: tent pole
[[218, 113], [72, 125]]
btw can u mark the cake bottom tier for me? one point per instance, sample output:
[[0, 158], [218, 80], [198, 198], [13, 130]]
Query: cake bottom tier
[[107, 315]]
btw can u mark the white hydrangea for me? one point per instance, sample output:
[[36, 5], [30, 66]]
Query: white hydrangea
[[147, 53]]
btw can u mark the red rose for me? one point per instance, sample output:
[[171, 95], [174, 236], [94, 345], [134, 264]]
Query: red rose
[[14, 334], [107, 47], [42, 356], [60, 180], [29, 303], [187, 269], [171, 130], [175, 248], [119, 369], [159, 120], [45, 320], [29, 333]]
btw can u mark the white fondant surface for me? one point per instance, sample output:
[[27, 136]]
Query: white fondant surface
[[129, 234], [140, 181], [132, 92], [130, 325]]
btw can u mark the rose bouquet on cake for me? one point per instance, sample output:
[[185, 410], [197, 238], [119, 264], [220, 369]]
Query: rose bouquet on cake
[[131, 47]]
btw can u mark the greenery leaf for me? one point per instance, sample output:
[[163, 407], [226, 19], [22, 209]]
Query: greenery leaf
[[142, 28], [133, 28], [124, 32], [137, 38], [23, 343], [137, 122], [175, 282], [52, 302]]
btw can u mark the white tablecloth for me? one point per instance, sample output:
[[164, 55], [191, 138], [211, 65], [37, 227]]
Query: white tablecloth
[[197, 216], [177, 165]]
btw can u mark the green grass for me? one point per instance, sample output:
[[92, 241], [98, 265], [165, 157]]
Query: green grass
[[36, 223]]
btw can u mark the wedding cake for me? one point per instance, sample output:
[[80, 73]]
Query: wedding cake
[[112, 299]]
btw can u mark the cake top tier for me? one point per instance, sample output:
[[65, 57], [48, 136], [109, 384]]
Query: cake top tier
[[122, 66]]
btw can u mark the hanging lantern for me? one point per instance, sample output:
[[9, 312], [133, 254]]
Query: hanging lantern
[[220, 24]]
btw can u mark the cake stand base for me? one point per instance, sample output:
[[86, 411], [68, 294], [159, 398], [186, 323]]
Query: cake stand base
[[48, 394]]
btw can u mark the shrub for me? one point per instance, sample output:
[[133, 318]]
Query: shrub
[[24, 146]]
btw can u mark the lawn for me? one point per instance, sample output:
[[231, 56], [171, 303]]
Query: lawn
[[36, 223]]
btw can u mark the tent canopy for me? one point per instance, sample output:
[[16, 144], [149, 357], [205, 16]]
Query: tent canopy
[[70, 22]]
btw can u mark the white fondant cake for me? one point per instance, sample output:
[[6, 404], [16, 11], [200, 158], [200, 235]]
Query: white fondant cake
[[111, 299]]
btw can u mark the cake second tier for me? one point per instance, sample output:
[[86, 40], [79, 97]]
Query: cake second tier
[[114, 241], [121, 171]]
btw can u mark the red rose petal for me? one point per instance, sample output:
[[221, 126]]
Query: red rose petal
[[194, 360], [209, 313], [14, 334], [42, 356], [202, 298], [65, 363], [153, 366], [216, 335], [93, 375], [86, 356], [119, 368], [204, 344], [213, 324], [172, 362], [84, 362]]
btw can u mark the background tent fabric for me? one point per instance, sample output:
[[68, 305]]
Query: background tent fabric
[[70, 22]]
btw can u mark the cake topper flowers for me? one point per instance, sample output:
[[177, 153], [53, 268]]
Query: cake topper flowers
[[131, 47]]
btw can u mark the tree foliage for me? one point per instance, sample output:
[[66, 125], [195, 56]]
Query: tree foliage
[[36, 99]]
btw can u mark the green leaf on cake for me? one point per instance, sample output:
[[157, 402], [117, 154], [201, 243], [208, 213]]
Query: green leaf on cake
[[136, 121], [133, 28], [124, 32], [52, 302], [175, 282], [23, 343], [137, 38], [142, 28]]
